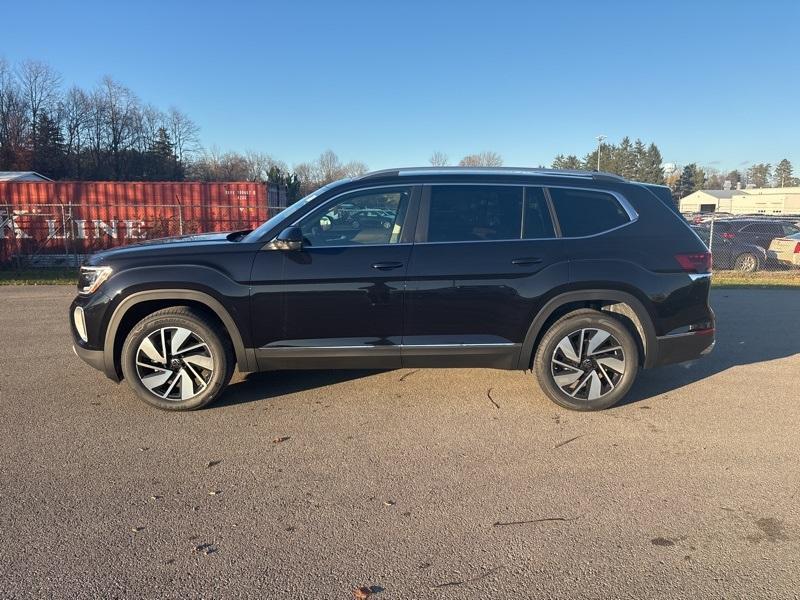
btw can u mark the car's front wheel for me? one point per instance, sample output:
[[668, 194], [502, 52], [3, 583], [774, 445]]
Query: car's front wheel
[[587, 360], [177, 359]]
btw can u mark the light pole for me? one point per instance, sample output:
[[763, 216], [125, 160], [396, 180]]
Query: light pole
[[600, 139]]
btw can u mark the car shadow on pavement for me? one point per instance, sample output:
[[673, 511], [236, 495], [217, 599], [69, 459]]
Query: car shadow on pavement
[[753, 326], [272, 384]]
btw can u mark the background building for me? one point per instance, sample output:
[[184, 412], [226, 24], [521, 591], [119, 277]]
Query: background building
[[751, 201], [22, 176]]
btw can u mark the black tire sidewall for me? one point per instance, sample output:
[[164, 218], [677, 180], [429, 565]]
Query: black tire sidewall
[[569, 324], [219, 353]]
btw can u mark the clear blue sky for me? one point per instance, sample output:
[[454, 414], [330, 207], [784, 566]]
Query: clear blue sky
[[389, 82]]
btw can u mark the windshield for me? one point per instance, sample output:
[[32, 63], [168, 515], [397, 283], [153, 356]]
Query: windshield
[[287, 213]]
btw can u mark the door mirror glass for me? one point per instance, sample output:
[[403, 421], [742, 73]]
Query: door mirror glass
[[290, 238]]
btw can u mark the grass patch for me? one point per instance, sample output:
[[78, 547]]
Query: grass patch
[[60, 276], [763, 279]]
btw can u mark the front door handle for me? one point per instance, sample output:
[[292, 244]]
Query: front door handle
[[529, 260], [387, 266]]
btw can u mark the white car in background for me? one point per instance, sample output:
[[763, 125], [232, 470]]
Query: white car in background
[[786, 250]]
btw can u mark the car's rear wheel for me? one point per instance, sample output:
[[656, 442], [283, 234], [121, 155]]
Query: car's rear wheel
[[587, 360], [747, 262], [177, 359]]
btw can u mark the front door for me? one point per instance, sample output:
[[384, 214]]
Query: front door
[[484, 256], [342, 294]]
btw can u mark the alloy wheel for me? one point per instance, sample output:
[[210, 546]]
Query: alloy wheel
[[174, 363], [588, 363]]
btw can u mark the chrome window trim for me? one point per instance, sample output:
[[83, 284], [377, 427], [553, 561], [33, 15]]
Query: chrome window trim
[[626, 206]]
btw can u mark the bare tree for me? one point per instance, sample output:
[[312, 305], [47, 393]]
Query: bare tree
[[184, 134], [75, 113], [260, 164], [354, 168], [13, 129], [439, 159], [40, 85], [121, 108], [482, 159]]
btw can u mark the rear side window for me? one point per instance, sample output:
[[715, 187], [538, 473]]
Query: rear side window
[[586, 212], [460, 213]]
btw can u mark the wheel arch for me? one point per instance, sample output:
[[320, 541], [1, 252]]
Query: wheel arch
[[119, 324], [618, 302]]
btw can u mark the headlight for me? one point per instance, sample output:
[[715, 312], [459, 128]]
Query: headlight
[[92, 278]]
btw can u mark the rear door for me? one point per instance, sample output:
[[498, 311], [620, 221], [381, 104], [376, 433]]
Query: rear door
[[482, 258]]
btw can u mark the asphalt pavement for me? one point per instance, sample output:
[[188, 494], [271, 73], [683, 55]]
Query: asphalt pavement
[[413, 483]]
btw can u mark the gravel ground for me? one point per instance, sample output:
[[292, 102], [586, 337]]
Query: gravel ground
[[418, 484]]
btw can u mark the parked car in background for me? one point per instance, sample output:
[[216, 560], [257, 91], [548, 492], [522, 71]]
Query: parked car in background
[[554, 272], [741, 244], [786, 250], [370, 217]]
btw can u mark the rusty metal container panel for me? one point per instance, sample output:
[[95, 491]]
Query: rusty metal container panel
[[81, 217]]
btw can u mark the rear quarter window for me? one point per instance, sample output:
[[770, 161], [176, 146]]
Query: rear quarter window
[[586, 212]]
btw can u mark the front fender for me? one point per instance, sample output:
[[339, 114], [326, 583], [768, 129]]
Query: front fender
[[226, 298]]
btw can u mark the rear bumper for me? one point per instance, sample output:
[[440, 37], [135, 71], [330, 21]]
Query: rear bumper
[[681, 347]]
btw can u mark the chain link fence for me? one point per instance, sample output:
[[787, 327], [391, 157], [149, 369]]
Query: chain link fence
[[749, 244], [61, 235]]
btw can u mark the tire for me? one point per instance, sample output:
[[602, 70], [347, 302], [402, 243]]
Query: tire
[[747, 262], [194, 375], [597, 380]]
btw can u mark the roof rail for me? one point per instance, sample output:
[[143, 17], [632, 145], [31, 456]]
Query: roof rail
[[412, 171]]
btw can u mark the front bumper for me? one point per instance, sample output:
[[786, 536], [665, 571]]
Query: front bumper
[[682, 347], [93, 358], [91, 349]]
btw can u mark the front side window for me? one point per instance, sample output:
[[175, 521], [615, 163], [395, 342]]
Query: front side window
[[369, 217], [463, 213], [586, 212]]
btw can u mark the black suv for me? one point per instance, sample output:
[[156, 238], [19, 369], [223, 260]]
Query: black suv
[[581, 277]]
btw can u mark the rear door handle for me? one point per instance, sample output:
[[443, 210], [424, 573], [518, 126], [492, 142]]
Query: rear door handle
[[529, 260], [387, 266]]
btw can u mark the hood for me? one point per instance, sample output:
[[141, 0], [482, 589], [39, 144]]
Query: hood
[[196, 243]]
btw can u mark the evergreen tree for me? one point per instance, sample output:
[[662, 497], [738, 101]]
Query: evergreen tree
[[686, 184], [161, 162], [47, 143], [626, 158], [567, 162], [653, 170], [699, 179], [734, 177], [783, 174], [759, 175]]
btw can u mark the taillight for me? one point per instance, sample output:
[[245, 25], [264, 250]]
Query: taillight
[[698, 262], [797, 248], [728, 236]]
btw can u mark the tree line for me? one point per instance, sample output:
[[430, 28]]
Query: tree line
[[103, 133], [108, 133]]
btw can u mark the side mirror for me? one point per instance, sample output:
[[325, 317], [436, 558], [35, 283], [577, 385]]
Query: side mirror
[[290, 238]]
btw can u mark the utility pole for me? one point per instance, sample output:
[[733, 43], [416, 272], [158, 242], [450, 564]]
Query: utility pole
[[600, 139]]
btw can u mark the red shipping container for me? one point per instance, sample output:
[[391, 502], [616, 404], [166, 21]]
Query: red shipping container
[[75, 218]]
